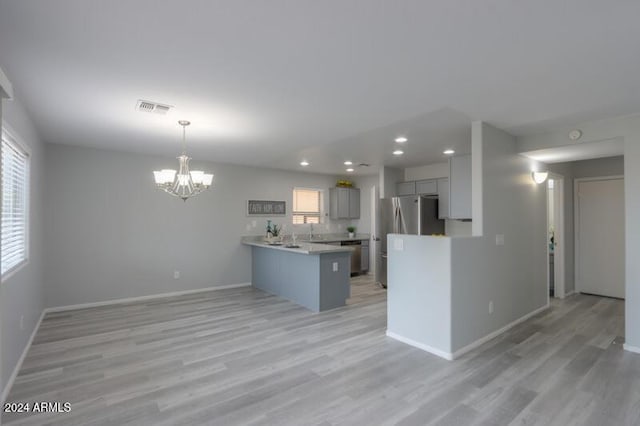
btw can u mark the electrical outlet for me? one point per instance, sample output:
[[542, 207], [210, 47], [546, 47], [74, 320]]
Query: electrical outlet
[[500, 239], [398, 244], [491, 307], [254, 223], [21, 322], [335, 266], [176, 275]]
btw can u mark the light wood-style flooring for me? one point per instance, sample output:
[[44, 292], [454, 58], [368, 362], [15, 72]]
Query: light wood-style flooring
[[243, 357]]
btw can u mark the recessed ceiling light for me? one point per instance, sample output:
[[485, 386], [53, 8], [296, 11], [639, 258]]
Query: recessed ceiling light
[[448, 152], [398, 152], [349, 169], [401, 139], [348, 163], [304, 163]]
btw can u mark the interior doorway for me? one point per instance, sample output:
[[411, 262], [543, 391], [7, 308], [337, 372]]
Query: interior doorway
[[555, 236], [600, 236]]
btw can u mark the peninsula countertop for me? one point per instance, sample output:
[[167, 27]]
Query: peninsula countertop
[[303, 247]]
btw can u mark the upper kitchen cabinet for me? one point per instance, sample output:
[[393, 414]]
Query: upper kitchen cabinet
[[443, 198], [427, 187], [406, 188], [460, 187], [344, 203]]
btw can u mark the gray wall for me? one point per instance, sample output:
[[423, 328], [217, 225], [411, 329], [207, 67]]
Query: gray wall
[[513, 276], [598, 167], [111, 234], [388, 179], [22, 294], [365, 183], [419, 293], [627, 128], [429, 171]]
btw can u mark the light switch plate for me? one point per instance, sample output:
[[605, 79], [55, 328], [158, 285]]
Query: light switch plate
[[335, 266], [500, 239], [398, 244]]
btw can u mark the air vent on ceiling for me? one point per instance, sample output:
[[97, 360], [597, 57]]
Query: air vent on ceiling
[[148, 106], [363, 165]]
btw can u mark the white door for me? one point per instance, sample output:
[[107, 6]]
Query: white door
[[600, 237]]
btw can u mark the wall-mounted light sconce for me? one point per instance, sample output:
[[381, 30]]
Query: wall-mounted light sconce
[[539, 177]]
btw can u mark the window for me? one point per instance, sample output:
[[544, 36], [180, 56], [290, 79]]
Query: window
[[306, 206], [15, 196]]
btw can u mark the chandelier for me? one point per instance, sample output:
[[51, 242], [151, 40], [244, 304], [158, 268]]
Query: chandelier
[[184, 184]]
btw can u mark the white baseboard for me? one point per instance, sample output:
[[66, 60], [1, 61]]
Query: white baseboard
[[426, 348], [457, 354], [142, 298], [14, 374], [571, 293], [485, 339], [630, 348]]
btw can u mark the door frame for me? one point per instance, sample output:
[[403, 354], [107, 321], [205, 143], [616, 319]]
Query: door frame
[[576, 221], [373, 231], [559, 261]]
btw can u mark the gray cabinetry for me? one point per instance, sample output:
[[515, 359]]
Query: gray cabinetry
[[460, 187], [443, 198], [406, 188], [427, 187], [344, 203], [354, 203], [364, 259]]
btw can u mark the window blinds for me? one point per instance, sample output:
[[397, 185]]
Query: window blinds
[[306, 206], [15, 175]]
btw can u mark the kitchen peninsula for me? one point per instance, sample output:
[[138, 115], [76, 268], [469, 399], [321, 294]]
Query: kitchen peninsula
[[313, 275]]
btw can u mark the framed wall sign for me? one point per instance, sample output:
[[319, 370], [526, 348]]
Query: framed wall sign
[[266, 208]]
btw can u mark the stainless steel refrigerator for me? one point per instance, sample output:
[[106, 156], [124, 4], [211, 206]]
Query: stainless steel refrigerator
[[413, 214]]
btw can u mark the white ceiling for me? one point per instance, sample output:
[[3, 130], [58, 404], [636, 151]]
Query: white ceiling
[[267, 83]]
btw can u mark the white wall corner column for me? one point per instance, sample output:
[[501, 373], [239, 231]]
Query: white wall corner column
[[476, 178], [6, 92], [632, 240]]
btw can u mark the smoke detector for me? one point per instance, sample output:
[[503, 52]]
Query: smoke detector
[[155, 107], [575, 134]]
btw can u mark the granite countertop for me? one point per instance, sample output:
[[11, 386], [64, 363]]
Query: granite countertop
[[303, 247]]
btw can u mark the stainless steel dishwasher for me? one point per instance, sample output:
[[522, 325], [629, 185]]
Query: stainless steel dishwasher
[[356, 256]]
